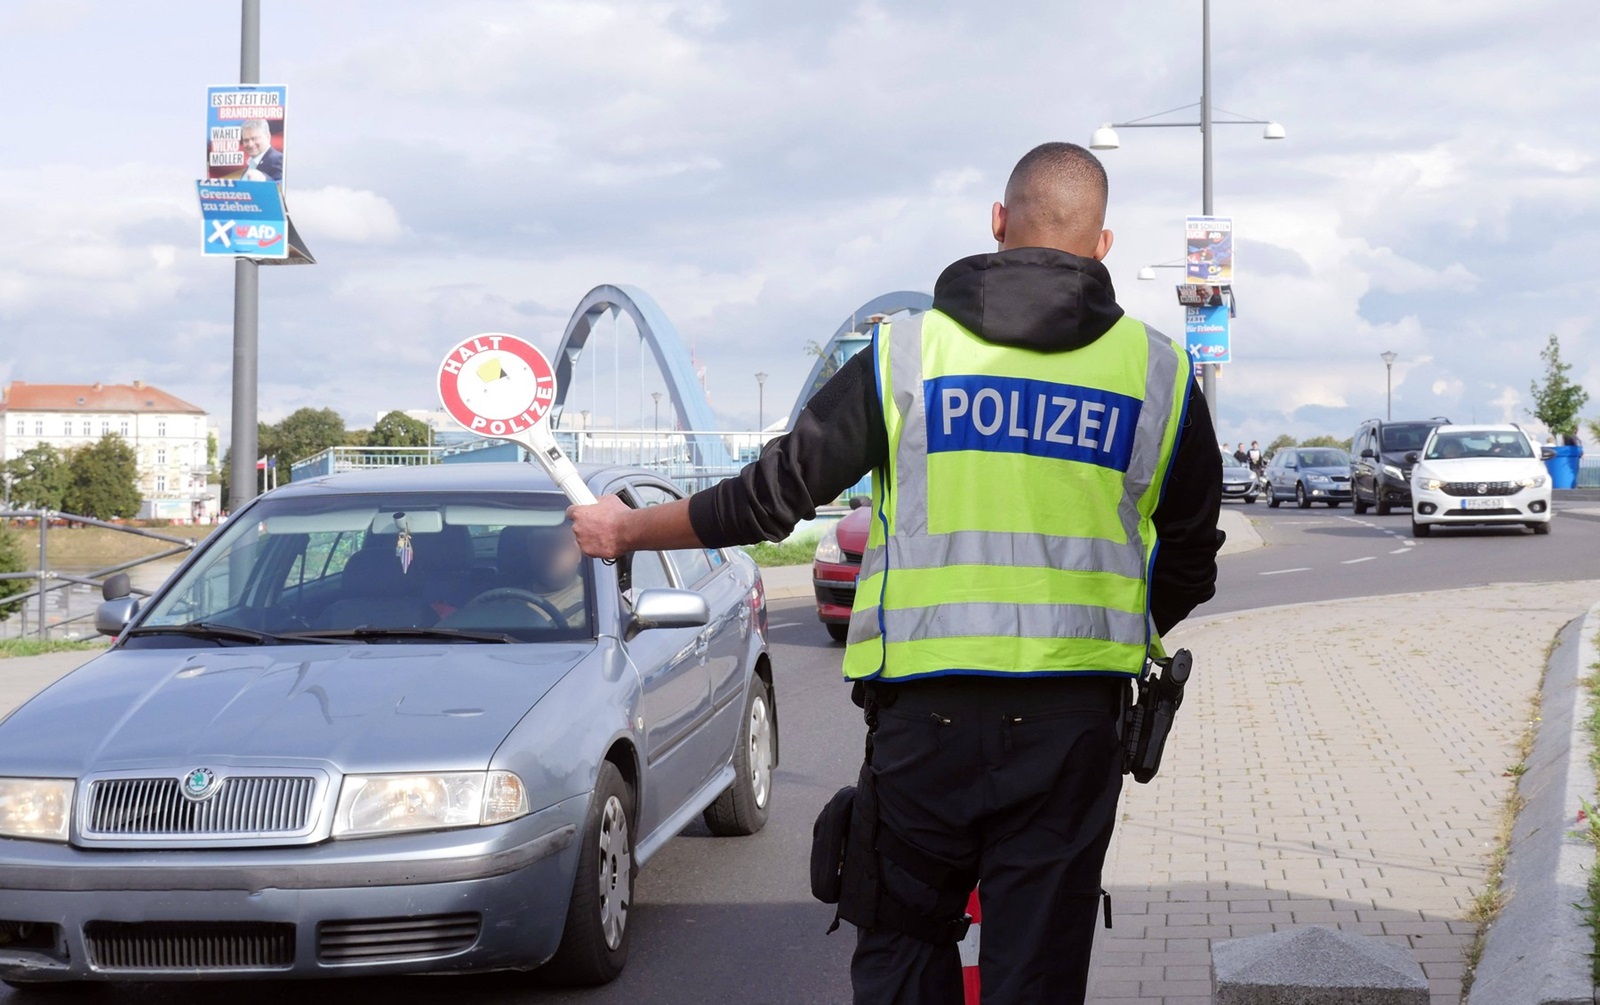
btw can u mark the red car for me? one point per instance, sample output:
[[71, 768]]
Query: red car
[[837, 567]]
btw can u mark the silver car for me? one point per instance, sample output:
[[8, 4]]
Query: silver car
[[384, 722]]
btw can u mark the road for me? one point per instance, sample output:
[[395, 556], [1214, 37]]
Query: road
[[732, 919]]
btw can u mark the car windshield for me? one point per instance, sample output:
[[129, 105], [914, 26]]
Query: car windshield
[[1486, 443], [1230, 461], [1324, 459], [1404, 435], [402, 566]]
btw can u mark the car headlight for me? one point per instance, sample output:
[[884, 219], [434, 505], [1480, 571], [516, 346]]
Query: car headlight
[[38, 808], [828, 549], [1536, 482], [1319, 479], [1432, 484], [384, 804], [1394, 472]]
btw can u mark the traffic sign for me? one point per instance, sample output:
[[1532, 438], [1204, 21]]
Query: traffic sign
[[497, 385]]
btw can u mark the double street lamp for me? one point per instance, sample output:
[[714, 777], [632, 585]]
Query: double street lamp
[[1105, 138], [761, 402], [1388, 368]]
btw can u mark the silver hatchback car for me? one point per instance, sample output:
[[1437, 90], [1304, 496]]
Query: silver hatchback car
[[384, 722]]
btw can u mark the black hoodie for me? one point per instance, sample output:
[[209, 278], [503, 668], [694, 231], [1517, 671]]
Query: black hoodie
[[1032, 298]]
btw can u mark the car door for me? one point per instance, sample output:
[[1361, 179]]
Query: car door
[[707, 572], [1361, 485]]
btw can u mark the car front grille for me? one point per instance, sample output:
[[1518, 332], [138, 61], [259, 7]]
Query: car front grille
[[369, 939], [844, 596], [1480, 488], [243, 805], [1469, 515], [189, 945], [850, 557]]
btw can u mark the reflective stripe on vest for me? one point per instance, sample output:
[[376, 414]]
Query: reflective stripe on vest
[[1012, 532]]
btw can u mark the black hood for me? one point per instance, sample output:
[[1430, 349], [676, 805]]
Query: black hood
[[1030, 298]]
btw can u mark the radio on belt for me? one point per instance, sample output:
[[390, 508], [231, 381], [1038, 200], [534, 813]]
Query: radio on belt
[[499, 386]]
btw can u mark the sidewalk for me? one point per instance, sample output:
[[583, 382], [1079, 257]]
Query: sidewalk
[[1338, 764]]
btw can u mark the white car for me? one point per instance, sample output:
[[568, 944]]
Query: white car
[[1479, 475]]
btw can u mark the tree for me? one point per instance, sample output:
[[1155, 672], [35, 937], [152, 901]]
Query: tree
[[1557, 402], [397, 429], [1283, 440], [103, 479], [211, 458], [38, 478], [12, 559], [1327, 441], [304, 433]]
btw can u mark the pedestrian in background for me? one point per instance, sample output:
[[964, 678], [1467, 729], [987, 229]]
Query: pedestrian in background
[[1030, 445]]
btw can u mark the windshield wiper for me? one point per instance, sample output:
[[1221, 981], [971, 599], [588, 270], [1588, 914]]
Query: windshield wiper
[[369, 633], [207, 630]]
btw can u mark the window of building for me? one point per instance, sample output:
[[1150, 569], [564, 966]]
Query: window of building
[[105, 427], [66, 427], [124, 427], [38, 427], [161, 428], [22, 427], [161, 456], [161, 483]]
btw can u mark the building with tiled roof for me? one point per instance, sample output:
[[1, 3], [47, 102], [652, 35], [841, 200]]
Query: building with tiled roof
[[168, 436]]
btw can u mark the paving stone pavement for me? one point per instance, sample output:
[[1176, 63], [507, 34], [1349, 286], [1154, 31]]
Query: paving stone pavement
[[1339, 764]]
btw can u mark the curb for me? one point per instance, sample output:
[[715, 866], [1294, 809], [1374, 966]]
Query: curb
[[1537, 952]]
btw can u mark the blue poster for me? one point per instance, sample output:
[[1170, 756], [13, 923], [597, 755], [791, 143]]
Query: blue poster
[[244, 132], [243, 219], [1205, 330]]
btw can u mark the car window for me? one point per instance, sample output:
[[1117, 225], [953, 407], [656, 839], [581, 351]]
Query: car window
[[502, 562], [1404, 435], [1327, 458], [1483, 443], [692, 564], [649, 573]]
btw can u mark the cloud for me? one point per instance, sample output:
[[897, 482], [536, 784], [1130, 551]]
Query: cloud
[[336, 213]]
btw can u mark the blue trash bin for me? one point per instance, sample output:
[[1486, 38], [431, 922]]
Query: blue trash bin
[[1563, 466]]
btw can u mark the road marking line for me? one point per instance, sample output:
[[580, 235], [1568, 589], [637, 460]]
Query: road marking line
[[784, 624], [1279, 572], [1400, 551], [1353, 561]]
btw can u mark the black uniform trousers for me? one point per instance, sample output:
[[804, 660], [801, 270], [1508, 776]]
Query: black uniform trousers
[[1015, 781]]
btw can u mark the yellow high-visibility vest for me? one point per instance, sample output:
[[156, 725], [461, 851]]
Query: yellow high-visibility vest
[[1011, 525]]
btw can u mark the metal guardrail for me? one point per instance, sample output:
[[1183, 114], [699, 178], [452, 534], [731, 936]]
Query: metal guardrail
[[49, 581], [1589, 473]]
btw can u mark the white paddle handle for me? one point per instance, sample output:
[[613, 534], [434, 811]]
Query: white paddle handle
[[544, 448]]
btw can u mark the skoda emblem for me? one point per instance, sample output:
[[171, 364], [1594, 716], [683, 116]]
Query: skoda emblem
[[201, 783]]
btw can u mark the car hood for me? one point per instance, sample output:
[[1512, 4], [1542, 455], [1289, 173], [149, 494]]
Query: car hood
[[853, 529], [1480, 469], [352, 707]]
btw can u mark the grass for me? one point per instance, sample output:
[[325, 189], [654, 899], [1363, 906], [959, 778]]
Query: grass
[[84, 547], [36, 647], [1488, 902], [795, 551]]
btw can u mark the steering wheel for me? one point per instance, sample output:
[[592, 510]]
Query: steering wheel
[[544, 606]]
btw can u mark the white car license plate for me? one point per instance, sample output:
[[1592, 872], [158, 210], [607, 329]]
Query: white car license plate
[[1480, 504]]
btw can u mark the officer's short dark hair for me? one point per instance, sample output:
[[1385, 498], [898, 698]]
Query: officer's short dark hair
[[1055, 176]]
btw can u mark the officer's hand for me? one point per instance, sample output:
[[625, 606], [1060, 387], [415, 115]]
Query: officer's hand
[[601, 528]]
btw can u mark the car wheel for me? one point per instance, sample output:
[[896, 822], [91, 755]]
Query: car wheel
[[1383, 507], [1358, 504], [1540, 528], [839, 632], [1250, 499], [743, 808], [594, 945], [1272, 498], [1300, 499], [1421, 529]]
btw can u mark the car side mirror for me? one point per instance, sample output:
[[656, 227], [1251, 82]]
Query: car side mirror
[[669, 609], [111, 617], [1411, 458], [1369, 454], [116, 587]]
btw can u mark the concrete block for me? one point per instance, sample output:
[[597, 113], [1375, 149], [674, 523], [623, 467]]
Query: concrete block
[[1315, 966]]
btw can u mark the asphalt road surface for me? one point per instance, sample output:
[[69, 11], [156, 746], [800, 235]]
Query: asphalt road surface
[[731, 919]]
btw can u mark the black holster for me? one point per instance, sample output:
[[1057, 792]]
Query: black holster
[[847, 841], [1148, 721]]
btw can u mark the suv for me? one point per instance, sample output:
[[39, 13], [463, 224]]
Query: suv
[[1381, 457]]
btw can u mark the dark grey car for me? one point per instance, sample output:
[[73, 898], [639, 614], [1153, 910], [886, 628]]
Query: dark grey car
[[384, 722]]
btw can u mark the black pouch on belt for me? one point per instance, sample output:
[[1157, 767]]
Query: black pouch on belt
[[829, 836]]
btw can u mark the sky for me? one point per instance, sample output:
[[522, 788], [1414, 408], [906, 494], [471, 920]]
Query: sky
[[761, 169]]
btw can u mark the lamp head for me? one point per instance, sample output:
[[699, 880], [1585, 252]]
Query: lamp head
[[1388, 358], [1105, 138], [1274, 131], [1148, 272]]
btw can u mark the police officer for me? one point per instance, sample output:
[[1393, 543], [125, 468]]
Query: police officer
[[1045, 502]]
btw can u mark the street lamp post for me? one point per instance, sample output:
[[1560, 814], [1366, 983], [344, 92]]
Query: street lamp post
[[656, 397], [761, 402], [1105, 138], [1388, 375]]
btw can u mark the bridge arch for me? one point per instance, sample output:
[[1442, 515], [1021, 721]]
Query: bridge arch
[[689, 404], [853, 334]]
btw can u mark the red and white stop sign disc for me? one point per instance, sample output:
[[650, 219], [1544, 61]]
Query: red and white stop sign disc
[[497, 385]]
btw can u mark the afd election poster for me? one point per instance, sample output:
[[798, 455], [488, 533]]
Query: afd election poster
[[1208, 250], [1205, 331], [243, 219], [244, 132]]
